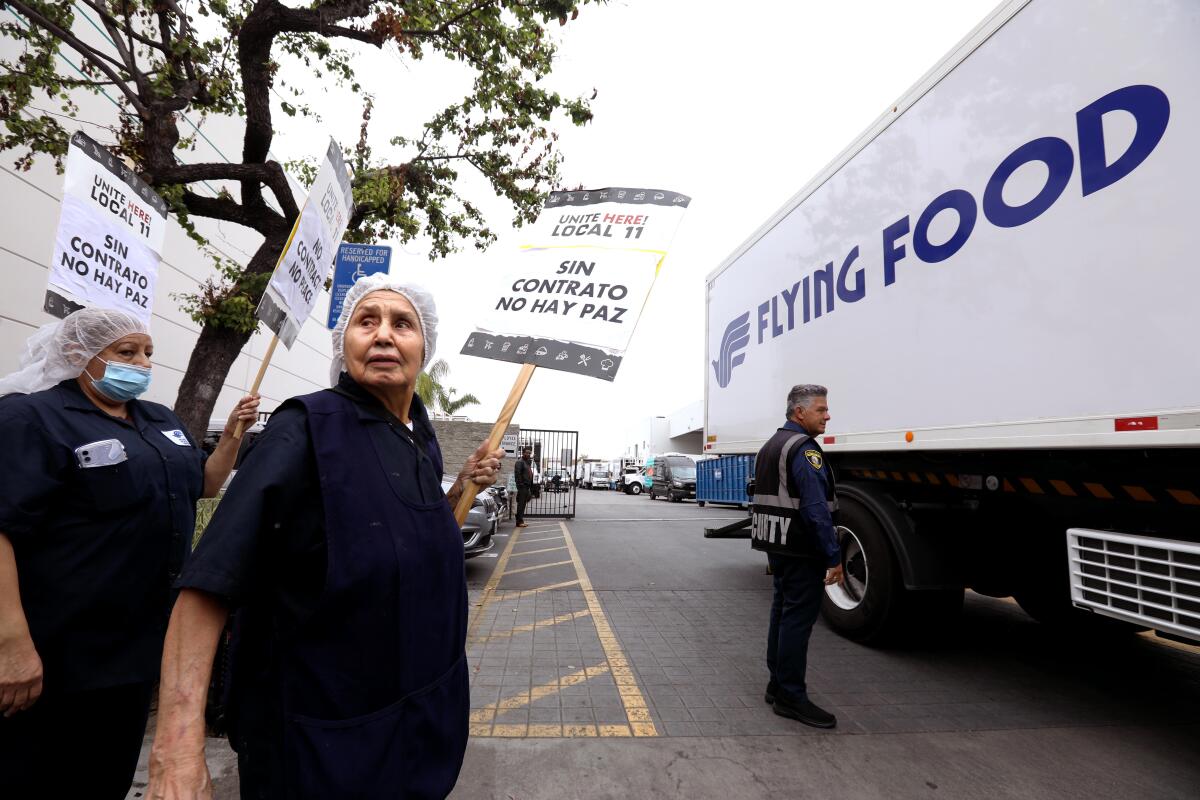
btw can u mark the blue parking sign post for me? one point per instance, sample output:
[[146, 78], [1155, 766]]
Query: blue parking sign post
[[354, 261]]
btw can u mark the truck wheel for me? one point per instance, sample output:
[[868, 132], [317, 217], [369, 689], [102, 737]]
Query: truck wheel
[[700, 503], [635, 488], [674, 498], [873, 606], [862, 608]]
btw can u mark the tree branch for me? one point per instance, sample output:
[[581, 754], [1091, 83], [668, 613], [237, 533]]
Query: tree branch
[[70, 83], [124, 26], [214, 171], [267, 223], [444, 28], [324, 18], [270, 173], [278, 184], [97, 58], [111, 25]]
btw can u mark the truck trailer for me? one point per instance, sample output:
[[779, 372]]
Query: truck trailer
[[997, 282]]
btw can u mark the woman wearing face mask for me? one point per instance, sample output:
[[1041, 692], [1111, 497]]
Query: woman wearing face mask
[[98, 493]]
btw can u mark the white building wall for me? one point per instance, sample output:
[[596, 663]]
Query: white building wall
[[647, 436], [689, 419], [680, 432]]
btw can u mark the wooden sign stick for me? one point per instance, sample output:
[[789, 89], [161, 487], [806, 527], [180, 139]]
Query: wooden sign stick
[[262, 370], [470, 489]]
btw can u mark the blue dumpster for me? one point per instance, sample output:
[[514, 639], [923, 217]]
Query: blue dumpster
[[723, 480]]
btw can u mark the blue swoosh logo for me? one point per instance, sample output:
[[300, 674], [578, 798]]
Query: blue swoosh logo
[[737, 336]]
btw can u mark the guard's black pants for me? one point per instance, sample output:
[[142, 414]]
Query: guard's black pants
[[799, 587], [523, 495], [74, 744]]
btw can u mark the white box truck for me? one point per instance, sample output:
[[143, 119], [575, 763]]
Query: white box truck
[[998, 283], [595, 475]]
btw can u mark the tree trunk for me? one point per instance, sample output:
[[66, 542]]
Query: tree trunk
[[216, 350]]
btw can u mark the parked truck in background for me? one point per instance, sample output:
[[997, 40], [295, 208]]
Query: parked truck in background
[[595, 475], [997, 284], [632, 479]]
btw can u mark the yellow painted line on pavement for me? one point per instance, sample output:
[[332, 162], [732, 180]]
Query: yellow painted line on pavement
[[631, 697], [493, 582], [538, 566], [483, 720], [546, 539], [554, 586], [522, 699], [516, 594], [543, 550], [545, 623]]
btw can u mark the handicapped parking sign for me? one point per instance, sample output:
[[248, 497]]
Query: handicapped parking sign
[[354, 261]]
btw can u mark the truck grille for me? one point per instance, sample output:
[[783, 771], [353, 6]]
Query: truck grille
[[1139, 579]]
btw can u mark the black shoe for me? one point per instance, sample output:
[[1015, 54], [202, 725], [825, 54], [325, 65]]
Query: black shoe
[[804, 711], [772, 690]]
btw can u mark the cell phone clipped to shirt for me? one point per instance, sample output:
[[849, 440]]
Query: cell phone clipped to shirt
[[103, 453]]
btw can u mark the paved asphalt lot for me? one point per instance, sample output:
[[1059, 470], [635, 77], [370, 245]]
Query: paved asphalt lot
[[620, 654]]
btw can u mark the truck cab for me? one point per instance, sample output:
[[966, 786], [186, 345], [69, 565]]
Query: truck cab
[[597, 478], [632, 479]]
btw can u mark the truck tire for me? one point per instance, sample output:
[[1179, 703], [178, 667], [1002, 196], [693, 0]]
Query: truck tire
[[634, 488], [863, 607], [873, 607], [700, 503]]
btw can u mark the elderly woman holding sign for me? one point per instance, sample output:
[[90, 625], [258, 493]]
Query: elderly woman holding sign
[[338, 548], [97, 506]]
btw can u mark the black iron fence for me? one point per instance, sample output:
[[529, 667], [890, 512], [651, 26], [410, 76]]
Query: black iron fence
[[554, 456]]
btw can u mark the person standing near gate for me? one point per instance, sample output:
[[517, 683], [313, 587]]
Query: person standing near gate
[[524, 475], [793, 509]]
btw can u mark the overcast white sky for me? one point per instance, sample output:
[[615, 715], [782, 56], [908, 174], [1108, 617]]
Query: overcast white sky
[[736, 105]]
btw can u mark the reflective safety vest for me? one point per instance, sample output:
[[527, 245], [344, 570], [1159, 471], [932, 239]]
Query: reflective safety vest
[[777, 524]]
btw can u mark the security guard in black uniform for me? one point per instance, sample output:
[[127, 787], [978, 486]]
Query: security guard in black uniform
[[794, 501]]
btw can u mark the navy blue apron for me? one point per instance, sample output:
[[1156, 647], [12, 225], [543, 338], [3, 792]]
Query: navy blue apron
[[374, 686]]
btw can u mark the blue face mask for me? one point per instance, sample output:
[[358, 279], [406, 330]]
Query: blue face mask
[[122, 382]]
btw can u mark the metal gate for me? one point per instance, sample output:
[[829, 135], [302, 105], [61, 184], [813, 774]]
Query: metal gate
[[554, 457]]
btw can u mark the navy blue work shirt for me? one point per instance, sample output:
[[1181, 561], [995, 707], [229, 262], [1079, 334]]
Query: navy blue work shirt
[[266, 541], [97, 547], [813, 481], [264, 551]]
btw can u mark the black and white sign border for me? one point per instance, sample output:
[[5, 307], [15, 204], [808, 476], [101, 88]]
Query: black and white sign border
[[549, 353]]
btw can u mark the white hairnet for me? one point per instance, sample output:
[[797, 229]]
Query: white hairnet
[[419, 296], [62, 349]]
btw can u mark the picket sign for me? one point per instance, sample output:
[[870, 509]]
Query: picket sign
[[305, 260], [109, 239], [571, 300]]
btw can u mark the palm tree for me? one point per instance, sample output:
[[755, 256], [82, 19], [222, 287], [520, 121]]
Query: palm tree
[[436, 395]]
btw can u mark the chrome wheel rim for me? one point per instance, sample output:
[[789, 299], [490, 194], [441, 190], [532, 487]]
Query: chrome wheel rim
[[854, 566]]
